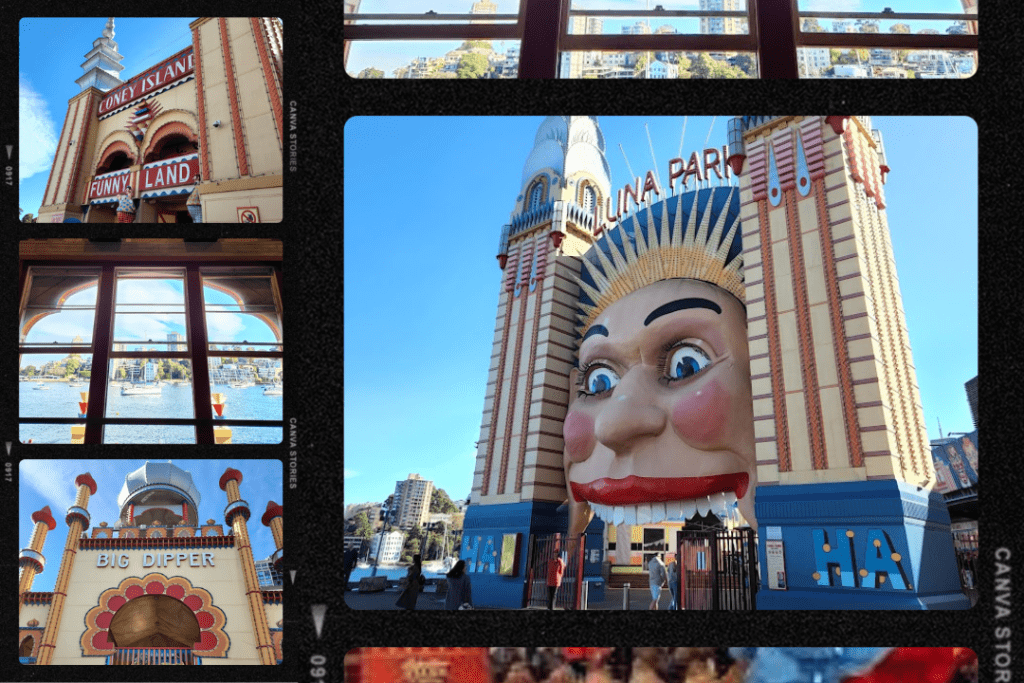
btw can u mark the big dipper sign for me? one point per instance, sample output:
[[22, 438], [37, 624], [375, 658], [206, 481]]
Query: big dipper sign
[[163, 74]]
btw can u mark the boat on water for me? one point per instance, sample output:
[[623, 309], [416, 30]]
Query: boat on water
[[140, 389], [241, 385], [76, 384], [41, 387], [273, 390]]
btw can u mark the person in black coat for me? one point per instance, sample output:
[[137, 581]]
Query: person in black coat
[[413, 586]]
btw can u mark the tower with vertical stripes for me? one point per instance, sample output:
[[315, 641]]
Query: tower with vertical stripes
[[844, 467], [518, 483]]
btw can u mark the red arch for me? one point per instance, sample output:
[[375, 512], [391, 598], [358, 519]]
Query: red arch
[[170, 128], [113, 148]]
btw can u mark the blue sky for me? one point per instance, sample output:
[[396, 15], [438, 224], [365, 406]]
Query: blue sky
[[52, 482], [428, 197], [222, 325], [390, 55], [50, 55]]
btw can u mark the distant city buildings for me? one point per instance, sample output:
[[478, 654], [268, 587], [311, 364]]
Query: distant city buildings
[[386, 547], [723, 25], [410, 505]]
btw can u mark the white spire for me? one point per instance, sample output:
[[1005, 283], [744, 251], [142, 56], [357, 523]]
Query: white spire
[[102, 63]]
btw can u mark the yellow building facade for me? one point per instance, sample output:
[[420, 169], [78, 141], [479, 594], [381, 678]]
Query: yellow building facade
[[159, 587], [213, 109]]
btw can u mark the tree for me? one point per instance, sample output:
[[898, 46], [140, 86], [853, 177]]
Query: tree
[[705, 66], [641, 65], [472, 66], [899, 28], [683, 65], [811, 25], [746, 64], [835, 55], [479, 44], [72, 365], [28, 218], [363, 528], [370, 72], [30, 371]]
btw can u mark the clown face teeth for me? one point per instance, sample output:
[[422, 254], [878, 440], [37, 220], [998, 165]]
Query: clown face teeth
[[722, 504]]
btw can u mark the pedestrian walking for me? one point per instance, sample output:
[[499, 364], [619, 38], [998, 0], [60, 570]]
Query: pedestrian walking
[[673, 583], [656, 579], [460, 592], [413, 586], [556, 568]]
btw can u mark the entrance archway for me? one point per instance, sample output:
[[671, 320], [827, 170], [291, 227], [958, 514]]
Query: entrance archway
[[154, 621]]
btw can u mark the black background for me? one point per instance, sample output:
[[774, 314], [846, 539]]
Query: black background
[[313, 294]]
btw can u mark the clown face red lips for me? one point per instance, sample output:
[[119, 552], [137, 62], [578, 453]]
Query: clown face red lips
[[634, 489]]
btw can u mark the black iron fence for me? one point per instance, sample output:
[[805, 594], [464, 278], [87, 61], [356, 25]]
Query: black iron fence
[[542, 551], [718, 569]]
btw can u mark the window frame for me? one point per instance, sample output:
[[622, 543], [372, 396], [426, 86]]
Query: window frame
[[198, 348], [542, 31]]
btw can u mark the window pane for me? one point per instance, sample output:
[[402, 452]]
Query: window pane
[[148, 434], [885, 63], [475, 11], [149, 307], [662, 22], [241, 310], [658, 65], [256, 435], [935, 27], [66, 434], [159, 387], [61, 306], [247, 388], [51, 384], [434, 59]]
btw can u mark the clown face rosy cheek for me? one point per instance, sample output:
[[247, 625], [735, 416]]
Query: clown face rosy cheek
[[701, 417], [578, 432]]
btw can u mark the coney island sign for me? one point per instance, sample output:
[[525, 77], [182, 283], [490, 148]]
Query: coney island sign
[[173, 71]]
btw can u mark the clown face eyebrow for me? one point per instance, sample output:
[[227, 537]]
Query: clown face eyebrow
[[679, 305], [596, 329]]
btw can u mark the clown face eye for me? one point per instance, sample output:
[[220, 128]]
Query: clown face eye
[[686, 361], [597, 380]]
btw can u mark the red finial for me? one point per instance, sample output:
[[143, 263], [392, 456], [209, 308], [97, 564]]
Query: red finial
[[273, 510], [736, 163], [838, 123], [45, 517], [228, 475], [86, 480]]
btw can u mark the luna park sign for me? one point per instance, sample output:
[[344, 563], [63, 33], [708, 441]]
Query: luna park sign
[[700, 166]]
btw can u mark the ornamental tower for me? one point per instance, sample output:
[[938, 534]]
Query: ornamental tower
[[844, 470], [236, 514], [518, 482], [273, 518], [31, 560], [158, 494], [102, 63], [78, 521]]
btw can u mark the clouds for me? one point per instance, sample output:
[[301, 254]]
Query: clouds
[[37, 135], [350, 473]]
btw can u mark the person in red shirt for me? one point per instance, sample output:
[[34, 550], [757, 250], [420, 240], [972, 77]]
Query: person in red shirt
[[556, 567], [579, 657]]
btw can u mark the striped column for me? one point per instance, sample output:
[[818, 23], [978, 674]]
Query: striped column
[[78, 521], [236, 515], [31, 560]]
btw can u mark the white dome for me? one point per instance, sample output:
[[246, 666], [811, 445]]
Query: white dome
[[567, 144], [158, 476]]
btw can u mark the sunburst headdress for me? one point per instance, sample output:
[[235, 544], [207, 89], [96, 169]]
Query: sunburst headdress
[[695, 235]]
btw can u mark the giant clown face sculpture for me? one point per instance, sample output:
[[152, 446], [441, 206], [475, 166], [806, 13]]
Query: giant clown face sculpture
[[661, 424]]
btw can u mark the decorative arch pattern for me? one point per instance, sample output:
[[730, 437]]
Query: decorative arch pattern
[[537, 193], [173, 122], [214, 642], [113, 148], [27, 647]]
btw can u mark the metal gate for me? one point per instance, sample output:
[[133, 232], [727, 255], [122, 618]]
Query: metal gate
[[544, 549], [717, 569]]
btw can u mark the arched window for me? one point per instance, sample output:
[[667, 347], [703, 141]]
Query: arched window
[[589, 199], [536, 195], [27, 646]]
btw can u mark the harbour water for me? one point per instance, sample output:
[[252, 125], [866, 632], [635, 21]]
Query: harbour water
[[174, 401]]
